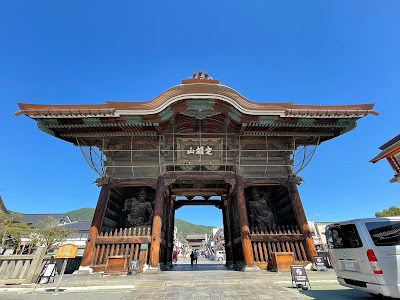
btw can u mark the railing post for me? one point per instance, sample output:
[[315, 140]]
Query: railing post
[[35, 267]]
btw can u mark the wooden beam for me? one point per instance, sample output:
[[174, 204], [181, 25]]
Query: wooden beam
[[216, 203], [199, 192], [242, 129], [108, 223], [127, 182]]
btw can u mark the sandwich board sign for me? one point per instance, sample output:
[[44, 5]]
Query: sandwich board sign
[[319, 263], [299, 276]]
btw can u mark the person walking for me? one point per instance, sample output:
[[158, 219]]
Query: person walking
[[196, 255], [191, 258]]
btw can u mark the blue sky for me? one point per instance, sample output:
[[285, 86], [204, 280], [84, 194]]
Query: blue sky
[[306, 52]]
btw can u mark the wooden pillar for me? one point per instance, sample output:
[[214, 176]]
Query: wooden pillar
[[227, 230], [169, 228], [232, 228], [96, 224], [157, 224], [301, 220], [244, 223], [172, 225]]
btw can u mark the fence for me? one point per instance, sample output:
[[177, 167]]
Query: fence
[[283, 239], [131, 244], [17, 269]]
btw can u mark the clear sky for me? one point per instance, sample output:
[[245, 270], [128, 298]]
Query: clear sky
[[305, 52]]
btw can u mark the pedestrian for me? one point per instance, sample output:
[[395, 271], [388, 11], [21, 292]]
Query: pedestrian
[[196, 255], [175, 256], [191, 258]]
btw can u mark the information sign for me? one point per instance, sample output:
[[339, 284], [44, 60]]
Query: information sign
[[299, 275], [67, 251], [319, 263]]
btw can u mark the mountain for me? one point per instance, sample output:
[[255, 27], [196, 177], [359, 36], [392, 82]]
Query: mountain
[[86, 214], [188, 228], [83, 214]]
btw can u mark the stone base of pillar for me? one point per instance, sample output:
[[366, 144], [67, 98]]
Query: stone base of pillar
[[229, 263], [243, 268], [84, 270], [152, 270], [251, 269]]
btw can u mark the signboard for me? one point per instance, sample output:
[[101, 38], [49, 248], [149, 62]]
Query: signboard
[[319, 263], [191, 151], [143, 246], [67, 251], [299, 275]]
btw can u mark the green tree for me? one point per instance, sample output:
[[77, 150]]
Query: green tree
[[12, 229], [390, 212], [48, 233]]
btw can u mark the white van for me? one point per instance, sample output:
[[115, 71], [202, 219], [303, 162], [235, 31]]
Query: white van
[[365, 254]]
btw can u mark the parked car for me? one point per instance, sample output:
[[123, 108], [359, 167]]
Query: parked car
[[365, 254], [219, 255]]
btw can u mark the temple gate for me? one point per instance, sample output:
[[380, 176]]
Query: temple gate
[[197, 139]]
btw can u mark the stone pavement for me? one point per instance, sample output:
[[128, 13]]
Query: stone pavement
[[206, 280]]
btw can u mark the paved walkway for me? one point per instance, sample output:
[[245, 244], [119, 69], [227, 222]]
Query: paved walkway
[[206, 280]]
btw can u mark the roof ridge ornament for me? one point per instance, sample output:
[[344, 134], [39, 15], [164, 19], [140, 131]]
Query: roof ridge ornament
[[200, 77]]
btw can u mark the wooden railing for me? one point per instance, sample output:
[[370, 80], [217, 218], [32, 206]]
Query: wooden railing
[[17, 269], [130, 243], [283, 239]]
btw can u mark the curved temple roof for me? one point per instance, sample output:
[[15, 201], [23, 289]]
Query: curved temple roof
[[257, 138], [194, 89], [196, 105]]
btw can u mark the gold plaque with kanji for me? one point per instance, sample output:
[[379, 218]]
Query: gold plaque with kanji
[[67, 251]]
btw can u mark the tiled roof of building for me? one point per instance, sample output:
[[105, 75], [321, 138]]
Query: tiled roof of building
[[196, 237], [35, 218], [79, 226], [388, 149]]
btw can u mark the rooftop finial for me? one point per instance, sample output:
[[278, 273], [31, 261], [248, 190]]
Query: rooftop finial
[[200, 75]]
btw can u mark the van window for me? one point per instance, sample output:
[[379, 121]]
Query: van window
[[384, 233], [343, 236]]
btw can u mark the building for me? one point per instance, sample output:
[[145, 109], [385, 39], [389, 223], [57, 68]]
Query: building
[[79, 234], [206, 143], [197, 241], [219, 239], [391, 151]]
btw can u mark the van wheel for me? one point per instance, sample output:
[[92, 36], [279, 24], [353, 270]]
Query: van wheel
[[377, 296]]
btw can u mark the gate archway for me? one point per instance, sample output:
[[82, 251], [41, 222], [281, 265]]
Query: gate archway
[[199, 138]]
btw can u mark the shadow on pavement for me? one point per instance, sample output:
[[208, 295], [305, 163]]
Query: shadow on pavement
[[321, 293], [199, 267]]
